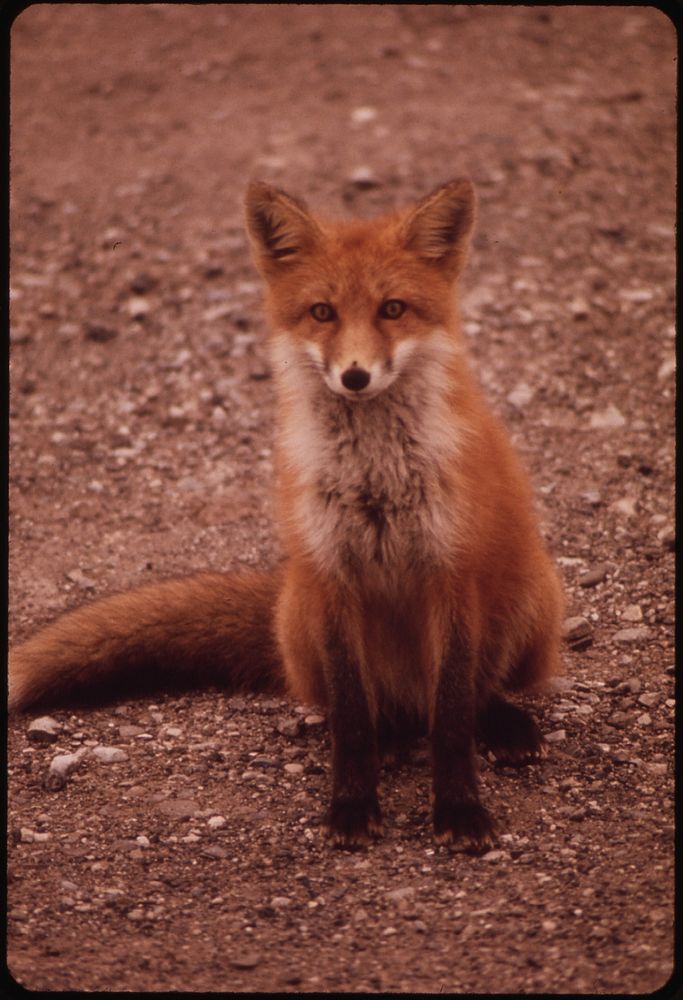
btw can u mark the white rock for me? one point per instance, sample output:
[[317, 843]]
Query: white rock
[[667, 367], [608, 418], [521, 395], [109, 755], [44, 730], [363, 114], [64, 763]]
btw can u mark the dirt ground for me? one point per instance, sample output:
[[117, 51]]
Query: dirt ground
[[141, 432]]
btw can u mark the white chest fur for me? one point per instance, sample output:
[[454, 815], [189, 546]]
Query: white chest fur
[[372, 496]]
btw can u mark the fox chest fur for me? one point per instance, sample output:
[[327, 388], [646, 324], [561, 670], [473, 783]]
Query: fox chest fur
[[370, 487]]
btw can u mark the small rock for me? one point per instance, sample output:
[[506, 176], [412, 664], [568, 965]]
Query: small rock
[[249, 960], [667, 367], [631, 685], [314, 720], [100, 334], [109, 755], [520, 396], [657, 768], [628, 635], [396, 895], [556, 737], [579, 308], [633, 613], [216, 822], [494, 856], [363, 178], [178, 808], [644, 719], [649, 699], [130, 730], [626, 506], [294, 768], [279, 902], [289, 727], [594, 576], [214, 851], [363, 114], [44, 730], [62, 766], [138, 307], [577, 633], [607, 419], [667, 537], [636, 295]]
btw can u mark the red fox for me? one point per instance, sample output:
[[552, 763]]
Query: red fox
[[416, 588]]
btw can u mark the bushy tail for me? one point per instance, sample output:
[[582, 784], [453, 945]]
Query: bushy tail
[[200, 630]]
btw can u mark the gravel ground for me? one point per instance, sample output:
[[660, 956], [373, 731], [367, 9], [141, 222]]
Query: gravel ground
[[182, 847]]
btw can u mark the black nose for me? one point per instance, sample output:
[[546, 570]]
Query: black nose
[[355, 379]]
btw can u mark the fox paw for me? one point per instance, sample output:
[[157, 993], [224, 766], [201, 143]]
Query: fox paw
[[464, 825], [511, 735], [354, 822]]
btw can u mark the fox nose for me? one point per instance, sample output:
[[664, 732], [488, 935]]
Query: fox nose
[[355, 379]]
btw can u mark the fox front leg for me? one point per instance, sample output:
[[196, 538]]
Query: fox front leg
[[459, 817], [354, 815]]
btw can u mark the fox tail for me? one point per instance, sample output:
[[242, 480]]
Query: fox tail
[[197, 631]]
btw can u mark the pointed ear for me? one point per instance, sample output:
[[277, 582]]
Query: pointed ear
[[280, 227], [439, 227]]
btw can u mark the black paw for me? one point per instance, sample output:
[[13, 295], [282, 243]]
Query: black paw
[[466, 825], [353, 822], [511, 734]]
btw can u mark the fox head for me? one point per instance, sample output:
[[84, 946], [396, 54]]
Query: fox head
[[359, 299]]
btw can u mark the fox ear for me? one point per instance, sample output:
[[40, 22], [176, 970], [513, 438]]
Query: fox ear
[[439, 227], [280, 226]]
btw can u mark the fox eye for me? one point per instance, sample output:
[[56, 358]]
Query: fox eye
[[392, 309], [323, 312]]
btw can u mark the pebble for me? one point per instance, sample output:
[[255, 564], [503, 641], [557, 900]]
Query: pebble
[[138, 307], [628, 635], [649, 699], [630, 686], [62, 766], [100, 334], [667, 367], [44, 730], [216, 822], [556, 737], [594, 576], [626, 506], [289, 727], [396, 895], [364, 178], [577, 632], [636, 295], [520, 396], [178, 808], [249, 960], [363, 114], [294, 768], [632, 613], [314, 720], [130, 730], [109, 755], [644, 719], [607, 419]]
